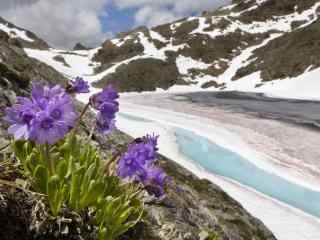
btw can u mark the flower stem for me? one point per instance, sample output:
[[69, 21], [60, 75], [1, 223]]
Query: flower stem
[[77, 125], [50, 162], [114, 158], [91, 134]]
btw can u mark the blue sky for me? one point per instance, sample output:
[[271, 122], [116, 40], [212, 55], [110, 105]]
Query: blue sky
[[116, 20], [62, 23]]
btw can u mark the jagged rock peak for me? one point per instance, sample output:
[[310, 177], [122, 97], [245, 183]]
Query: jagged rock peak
[[80, 46]]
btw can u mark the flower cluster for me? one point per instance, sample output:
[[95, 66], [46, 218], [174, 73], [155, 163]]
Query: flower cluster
[[78, 85], [107, 106], [138, 164], [44, 118]]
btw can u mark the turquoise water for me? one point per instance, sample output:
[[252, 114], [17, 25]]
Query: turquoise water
[[225, 163]]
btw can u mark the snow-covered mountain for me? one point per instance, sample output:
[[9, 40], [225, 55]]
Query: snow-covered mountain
[[268, 46]]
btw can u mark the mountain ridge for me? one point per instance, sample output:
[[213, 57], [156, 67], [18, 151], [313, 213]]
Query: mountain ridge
[[247, 45], [249, 38]]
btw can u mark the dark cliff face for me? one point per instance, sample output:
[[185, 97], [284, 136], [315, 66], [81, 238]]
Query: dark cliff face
[[215, 38]]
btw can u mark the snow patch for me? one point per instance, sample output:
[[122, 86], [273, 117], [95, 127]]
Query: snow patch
[[15, 33], [80, 62], [278, 23], [184, 64], [157, 36]]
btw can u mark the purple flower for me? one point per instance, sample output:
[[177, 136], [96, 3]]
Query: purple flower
[[109, 94], [104, 125], [155, 181], [62, 110], [45, 129], [138, 164], [150, 142], [45, 118], [78, 85], [156, 176], [107, 106], [109, 109], [131, 165], [19, 116], [42, 95]]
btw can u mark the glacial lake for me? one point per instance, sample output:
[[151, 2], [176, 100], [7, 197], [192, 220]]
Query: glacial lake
[[223, 162]]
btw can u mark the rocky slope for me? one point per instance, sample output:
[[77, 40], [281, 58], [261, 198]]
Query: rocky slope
[[21, 37], [194, 209]]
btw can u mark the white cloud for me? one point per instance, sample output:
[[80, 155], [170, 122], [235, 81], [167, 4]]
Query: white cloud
[[154, 12], [60, 22], [148, 16]]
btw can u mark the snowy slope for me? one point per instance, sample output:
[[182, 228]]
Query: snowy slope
[[14, 32], [180, 46]]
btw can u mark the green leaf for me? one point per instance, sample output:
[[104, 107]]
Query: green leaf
[[53, 194], [62, 169], [75, 192], [102, 233], [41, 177], [93, 194], [28, 165], [19, 150]]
